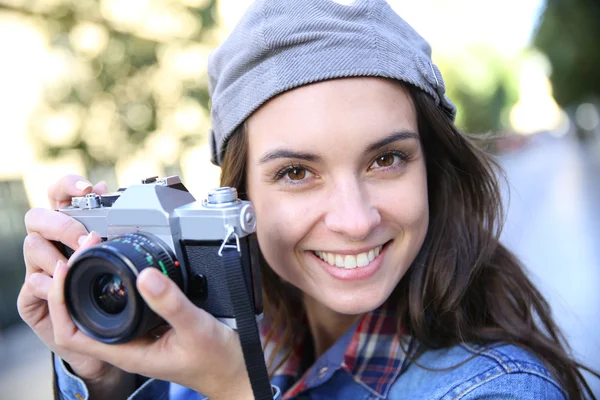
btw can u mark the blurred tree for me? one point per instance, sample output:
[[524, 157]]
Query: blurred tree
[[569, 33], [122, 75], [483, 84]]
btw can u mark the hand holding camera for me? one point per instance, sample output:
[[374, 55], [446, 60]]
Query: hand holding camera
[[149, 262], [41, 257]]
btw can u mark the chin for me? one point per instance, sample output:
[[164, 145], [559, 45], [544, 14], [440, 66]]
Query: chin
[[355, 304]]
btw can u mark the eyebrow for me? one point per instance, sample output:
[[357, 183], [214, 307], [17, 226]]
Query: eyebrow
[[286, 153], [396, 136]]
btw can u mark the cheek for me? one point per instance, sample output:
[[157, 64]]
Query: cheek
[[410, 206], [414, 207], [281, 225], [280, 219]]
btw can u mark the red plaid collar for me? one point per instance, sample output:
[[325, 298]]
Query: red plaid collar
[[374, 356]]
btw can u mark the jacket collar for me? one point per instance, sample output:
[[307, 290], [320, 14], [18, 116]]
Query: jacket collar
[[371, 352]]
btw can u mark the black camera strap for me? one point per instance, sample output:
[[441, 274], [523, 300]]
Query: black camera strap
[[246, 325]]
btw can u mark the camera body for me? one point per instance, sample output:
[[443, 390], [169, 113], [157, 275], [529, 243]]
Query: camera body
[[158, 224]]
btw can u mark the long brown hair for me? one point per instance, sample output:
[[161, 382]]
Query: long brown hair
[[464, 286]]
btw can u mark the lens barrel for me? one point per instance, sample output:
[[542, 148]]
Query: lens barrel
[[100, 287]]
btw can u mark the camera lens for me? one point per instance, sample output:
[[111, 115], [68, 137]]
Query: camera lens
[[109, 293], [100, 287]]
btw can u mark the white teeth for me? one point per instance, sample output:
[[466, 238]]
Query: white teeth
[[362, 259], [349, 261], [330, 259]]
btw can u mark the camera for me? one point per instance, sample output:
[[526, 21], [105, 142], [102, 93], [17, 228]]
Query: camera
[[158, 224]]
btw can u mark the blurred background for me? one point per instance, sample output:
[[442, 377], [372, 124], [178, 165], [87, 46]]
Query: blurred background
[[117, 91]]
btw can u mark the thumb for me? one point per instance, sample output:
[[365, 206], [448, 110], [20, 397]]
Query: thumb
[[165, 298]]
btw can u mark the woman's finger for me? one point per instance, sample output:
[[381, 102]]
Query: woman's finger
[[65, 329], [40, 255], [90, 240], [61, 192], [55, 226], [66, 333], [68, 336], [165, 298], [40, 285], [31, 302], [33, 307], [100, 188]]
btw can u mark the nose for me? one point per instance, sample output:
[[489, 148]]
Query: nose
[[350, 211]]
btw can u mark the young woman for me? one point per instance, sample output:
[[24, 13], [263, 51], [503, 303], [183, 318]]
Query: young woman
[[378, 224]]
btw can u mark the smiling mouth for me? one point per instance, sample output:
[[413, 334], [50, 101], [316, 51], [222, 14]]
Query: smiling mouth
[[350, 261]]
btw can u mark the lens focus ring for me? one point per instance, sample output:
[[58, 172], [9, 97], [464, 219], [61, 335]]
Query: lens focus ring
[[145, 252], [100, 287]]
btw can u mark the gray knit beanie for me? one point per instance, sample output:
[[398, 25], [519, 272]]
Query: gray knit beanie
[[282, 44]]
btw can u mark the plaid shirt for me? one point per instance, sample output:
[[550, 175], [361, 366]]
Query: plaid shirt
[[370, 352], [366, 362]]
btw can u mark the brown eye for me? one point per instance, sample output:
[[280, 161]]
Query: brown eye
[[296, 174], [389, 161], [385, 161], [293, 174]]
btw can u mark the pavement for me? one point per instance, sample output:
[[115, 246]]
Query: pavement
[[553, 225], [26, 369]]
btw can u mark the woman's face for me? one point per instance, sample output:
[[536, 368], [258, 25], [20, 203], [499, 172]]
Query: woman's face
[[337, 177]]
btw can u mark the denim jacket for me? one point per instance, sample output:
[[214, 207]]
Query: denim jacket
[[369, 362]]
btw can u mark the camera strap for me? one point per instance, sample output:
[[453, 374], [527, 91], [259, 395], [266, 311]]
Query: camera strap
[[246, 325]]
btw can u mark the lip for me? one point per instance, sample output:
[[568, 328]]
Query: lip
[[353, 252], [355, 274]]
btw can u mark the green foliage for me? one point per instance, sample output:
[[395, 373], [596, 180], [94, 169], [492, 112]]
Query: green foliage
[[569, 34], [483, 86], [115, 91]]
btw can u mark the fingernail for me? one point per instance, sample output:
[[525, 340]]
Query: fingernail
[[82, 185], [83, 240], [154, 284]]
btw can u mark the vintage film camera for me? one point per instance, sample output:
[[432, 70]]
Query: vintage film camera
[[158, 224]]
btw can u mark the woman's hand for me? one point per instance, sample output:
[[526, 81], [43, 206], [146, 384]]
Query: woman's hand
[[41, 258], [198, 351]]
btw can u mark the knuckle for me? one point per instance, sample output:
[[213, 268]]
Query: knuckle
[[21, 302], [38, 255], [31, 241], [24, 304], [30, 216], [67, 224], [30, 247]]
